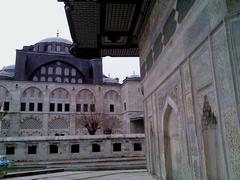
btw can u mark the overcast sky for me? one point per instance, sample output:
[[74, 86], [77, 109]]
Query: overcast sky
[[25, 22]]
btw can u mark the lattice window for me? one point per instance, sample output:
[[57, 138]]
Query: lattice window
[[58, 123], [30, 122]]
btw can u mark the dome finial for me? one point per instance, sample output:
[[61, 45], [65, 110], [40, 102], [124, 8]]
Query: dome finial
[[57, 32]]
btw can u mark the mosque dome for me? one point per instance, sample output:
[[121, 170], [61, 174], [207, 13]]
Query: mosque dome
[[51, 45], [55, 39], [7, 72]]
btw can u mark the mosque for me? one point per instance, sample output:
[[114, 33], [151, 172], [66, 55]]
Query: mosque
[[48, 90]]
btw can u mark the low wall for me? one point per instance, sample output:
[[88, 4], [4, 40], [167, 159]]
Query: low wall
[[72, 147]]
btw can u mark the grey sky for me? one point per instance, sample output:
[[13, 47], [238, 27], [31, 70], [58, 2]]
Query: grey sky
[[25, 22]]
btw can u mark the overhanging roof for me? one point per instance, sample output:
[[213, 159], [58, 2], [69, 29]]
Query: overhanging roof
[[106, 27]]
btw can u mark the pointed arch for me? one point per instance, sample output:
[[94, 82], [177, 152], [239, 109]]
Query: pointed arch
[[112, 102], [171, 138]]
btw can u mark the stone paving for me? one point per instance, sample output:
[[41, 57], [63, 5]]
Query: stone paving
[[92, 175]]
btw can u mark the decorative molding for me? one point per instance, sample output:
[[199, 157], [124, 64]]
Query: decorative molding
[[208, 119]]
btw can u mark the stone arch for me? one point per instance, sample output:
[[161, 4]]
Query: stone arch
[[59, 93], [85, 96], [54, 70], [4, 95], [32, 93], [171, 138], [112, 97]]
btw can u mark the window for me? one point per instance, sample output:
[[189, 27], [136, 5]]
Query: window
[[39, 107], [52, 107], [59, 107], [31, 106], [75, 148], [67, 107], [73, 72], [35, 78], [6, 106], [92, 107], [73, 80], [49, 48], [85, 108], [23, 106], [137, 147], [58, 79], [53, 149], [50, 79], [58, 70], [58, 48], [111, 107], [117, 147], [125, 106], [78, 107], [10, 150], [66, 71], [32, 149], [66, 80], [96, 148], [42, 79], [50, 70], [43, 70]]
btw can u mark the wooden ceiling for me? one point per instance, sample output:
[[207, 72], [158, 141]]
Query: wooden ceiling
[[106, 27]]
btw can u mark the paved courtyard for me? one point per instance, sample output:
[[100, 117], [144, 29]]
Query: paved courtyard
[[92, 175]]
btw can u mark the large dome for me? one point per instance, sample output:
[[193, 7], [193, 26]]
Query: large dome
[[55, 39], [51, 45]]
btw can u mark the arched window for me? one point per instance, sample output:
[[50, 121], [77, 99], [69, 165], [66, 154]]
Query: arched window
[[35, 78], [66, 71], [73, 72], [58, 79], [85, 101], [42, 79], [58, 70], [112, 102], [43, 70], [50, 70], [59, 100], [32, 99], [49, 48]]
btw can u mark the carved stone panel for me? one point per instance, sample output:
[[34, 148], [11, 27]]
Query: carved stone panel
[[227, 101], [201, 66]]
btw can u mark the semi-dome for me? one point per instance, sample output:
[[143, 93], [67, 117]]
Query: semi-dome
[[55, 39], [7, 72]]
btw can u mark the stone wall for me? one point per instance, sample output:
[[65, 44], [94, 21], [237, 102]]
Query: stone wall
[[45, 122], [192, 65], [127, 146]]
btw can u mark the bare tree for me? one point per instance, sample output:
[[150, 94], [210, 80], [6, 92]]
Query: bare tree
[[109, 123], [92, 122]]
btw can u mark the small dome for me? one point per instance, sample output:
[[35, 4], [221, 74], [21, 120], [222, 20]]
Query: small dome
[[111, 80], [134, 76], [7, 72], [55, 39]]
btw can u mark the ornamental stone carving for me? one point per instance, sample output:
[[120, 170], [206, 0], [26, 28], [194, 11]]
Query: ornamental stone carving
[[209, 120]]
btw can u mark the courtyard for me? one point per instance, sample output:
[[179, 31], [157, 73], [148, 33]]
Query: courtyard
[[93, 175]]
